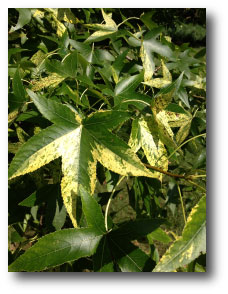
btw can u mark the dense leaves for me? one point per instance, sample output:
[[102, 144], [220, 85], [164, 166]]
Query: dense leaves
[[107, 120]]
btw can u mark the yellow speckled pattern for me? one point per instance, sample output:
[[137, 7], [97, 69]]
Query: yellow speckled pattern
[[155, 153], [38, 57], [52, 80], [109, 22], [114, 163], [147, 65], [161, 82]]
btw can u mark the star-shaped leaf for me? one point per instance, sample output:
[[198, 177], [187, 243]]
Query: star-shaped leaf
[[150, 46], [153, 132], [80, 142], [161, 82], [104, 30]]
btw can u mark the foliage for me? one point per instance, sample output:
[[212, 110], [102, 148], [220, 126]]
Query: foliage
[[107, 143]]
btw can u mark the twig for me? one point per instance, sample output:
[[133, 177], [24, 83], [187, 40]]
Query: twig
[[182, 204], [109, 201]]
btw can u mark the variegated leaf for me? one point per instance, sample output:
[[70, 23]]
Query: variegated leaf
[[148, 63], [50, 81], [148, 47], [80, 143], [143, 135], [190, 245], [160, 82], [104, 30]]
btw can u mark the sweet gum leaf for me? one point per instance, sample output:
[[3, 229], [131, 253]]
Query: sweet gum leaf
[[57, 248], [190, 245]]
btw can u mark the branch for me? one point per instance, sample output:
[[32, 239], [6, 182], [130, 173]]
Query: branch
[[190, 177]]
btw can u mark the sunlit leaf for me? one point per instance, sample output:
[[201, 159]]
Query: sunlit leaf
[[24, 18], [154, 149], [104, 30], [80, 144], [160, 82], [57, 248], [190, 245]]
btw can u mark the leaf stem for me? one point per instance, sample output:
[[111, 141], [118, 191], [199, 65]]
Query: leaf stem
[[193, 138], [133, 17], [109, 201], [166, 172], [185, 177], [182, 203], [193, 183]]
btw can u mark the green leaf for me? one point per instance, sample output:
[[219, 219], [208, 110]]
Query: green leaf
[[92, 211], [182, 94], [18, 88], [102, 259], [147, 19], [128, 84], [57, 248], [55, 112], [125, 90], [37, 197], [55, 211], [118, 65], [136, 229], [159, 235], [24, 18], [190, 245], [107, 119], [129, 257], [66, 68]]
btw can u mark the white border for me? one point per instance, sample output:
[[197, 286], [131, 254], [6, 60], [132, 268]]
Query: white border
[[216, 279]]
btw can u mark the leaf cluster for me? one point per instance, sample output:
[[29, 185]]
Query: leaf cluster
[[107, 143]]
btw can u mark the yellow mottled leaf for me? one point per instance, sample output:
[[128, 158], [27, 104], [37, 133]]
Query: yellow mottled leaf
[[154, 149], [114, 163], [168, 38], [38, 13], [80, 142], [190, 245], [165, 131], [71, 171], [60, 28], [145, 137], [162, 101], [38, 57], [148, 64], [200, 83], [177, 119], [106, 29], [67, 147], [51, 81], [109, 22], [180, 120], [12, 115], [66, 15], [160, 82]]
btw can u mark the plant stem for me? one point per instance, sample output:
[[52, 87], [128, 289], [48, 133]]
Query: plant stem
[[133, 17], [109, 201], [193, 183], [193, 138], [182, 204], [185, 177]]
